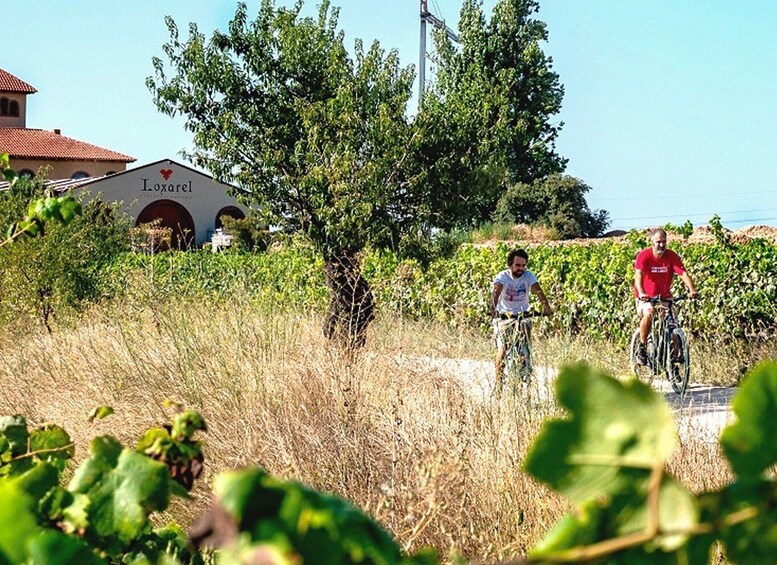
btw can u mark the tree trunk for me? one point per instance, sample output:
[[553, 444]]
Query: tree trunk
[[351, 304]]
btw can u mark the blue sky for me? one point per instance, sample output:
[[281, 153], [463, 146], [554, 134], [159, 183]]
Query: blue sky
[[669, 108]]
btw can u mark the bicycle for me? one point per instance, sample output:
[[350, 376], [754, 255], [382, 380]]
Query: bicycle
[[518, 357], [667, 346]]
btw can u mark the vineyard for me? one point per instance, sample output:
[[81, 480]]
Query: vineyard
[[589, 284], [409, 447]]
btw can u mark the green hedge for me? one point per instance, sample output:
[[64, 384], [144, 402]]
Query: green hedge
[[589, 285]]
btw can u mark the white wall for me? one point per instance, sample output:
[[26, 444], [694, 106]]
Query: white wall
[[195, 191]]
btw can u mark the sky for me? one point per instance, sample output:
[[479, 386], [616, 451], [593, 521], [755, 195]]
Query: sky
[[669, 110]]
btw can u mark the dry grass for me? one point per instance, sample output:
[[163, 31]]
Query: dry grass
[[408, 442]]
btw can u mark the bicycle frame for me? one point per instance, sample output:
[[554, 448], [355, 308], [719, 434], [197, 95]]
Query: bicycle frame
[[667, 345], [663, 324], [517, 345]]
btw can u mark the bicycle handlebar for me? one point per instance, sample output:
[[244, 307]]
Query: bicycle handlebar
[[520, 315], [657, 299]]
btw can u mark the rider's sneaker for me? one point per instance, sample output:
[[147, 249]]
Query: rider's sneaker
[[642, 355]]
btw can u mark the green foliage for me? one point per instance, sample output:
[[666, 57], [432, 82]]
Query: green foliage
[[280, 109], [58, 270], [173, 445], [8, 173], [250, 234], [61, 209], [557, 202], [103, 515], [491, 107], [300, 524], [721, 236], [608, 456], [589, 284], [286, 275], [684, 230]]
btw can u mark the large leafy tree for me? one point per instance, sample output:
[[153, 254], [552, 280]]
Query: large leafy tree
[[315, 137], [494, 100], [557, 201]]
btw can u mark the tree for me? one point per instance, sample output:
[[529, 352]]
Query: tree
[[557, 202], [57, 267], [493, 101], [313, 136]]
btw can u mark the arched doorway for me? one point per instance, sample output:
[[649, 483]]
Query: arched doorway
[[231, 211], [171, 215]]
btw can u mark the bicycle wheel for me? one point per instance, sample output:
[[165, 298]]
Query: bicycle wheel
[[525, 369], [678, 361], [517, 368]]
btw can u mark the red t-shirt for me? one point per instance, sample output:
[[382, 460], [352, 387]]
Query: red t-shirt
[[657, 272]]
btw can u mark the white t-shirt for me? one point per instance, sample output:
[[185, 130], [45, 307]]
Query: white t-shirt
[[515, 292]]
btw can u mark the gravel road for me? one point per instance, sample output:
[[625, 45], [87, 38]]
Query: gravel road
[[702, 411]]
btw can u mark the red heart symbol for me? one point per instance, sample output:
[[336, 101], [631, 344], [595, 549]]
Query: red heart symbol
[[166, 173]]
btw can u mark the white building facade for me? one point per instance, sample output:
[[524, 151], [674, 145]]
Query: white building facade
[[189, 202]]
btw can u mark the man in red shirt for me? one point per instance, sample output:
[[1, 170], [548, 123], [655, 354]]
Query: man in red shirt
[[654, 269]]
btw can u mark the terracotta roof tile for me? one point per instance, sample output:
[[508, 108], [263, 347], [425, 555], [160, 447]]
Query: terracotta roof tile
[[9, 83], [44, 144]]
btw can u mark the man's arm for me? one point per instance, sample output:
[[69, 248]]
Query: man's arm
[[686, 278], [638, 283], [536, 290], [495, 294]]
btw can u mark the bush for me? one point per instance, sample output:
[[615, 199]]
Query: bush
[[250, 234], [556, 202], [61, 270]]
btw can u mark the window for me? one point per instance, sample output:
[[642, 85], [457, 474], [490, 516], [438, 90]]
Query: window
[[3, 106], [79, 175], [26, 173], [13, 109]]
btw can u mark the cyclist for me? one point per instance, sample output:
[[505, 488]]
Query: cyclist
[[654, 270], [510, 294]]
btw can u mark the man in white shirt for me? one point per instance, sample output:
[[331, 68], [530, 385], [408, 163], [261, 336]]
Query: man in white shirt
[[510, 295]]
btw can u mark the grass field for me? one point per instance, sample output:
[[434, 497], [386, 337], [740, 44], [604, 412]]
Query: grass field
[[408, 443]]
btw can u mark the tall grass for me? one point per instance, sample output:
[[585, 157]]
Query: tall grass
[[415, 440]]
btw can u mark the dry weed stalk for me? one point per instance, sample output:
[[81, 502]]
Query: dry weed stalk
[[402, 437]]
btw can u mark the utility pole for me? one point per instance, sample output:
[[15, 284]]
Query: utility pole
[[427, 16]]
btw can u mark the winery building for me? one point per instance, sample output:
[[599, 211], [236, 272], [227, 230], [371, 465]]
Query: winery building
[[189, 202], [183, 199]]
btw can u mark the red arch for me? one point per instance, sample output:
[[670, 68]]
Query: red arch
[[232, 212], [172, 215]]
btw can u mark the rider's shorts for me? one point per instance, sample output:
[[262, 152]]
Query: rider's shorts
[[644, 306], [503, 327]]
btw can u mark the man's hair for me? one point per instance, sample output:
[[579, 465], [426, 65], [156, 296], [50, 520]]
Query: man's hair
[[516, 253], [655, 231]]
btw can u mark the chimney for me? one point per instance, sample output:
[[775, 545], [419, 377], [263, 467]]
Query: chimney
[[57, 131]]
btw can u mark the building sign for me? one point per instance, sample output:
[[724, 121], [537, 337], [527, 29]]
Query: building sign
[[166, 184]]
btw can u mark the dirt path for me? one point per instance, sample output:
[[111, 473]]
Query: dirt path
[[702, 412]]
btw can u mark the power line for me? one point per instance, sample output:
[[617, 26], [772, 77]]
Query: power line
[[699, 214], [674, 196]]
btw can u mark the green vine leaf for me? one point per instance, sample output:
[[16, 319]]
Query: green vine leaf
[[124, 487], [615, 434], [752, 540], [17, 523], [14, 429], [750, 443], [624, 523], [99, 413], [55, 547], [53, 444], [38, 480], [295, 519]]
